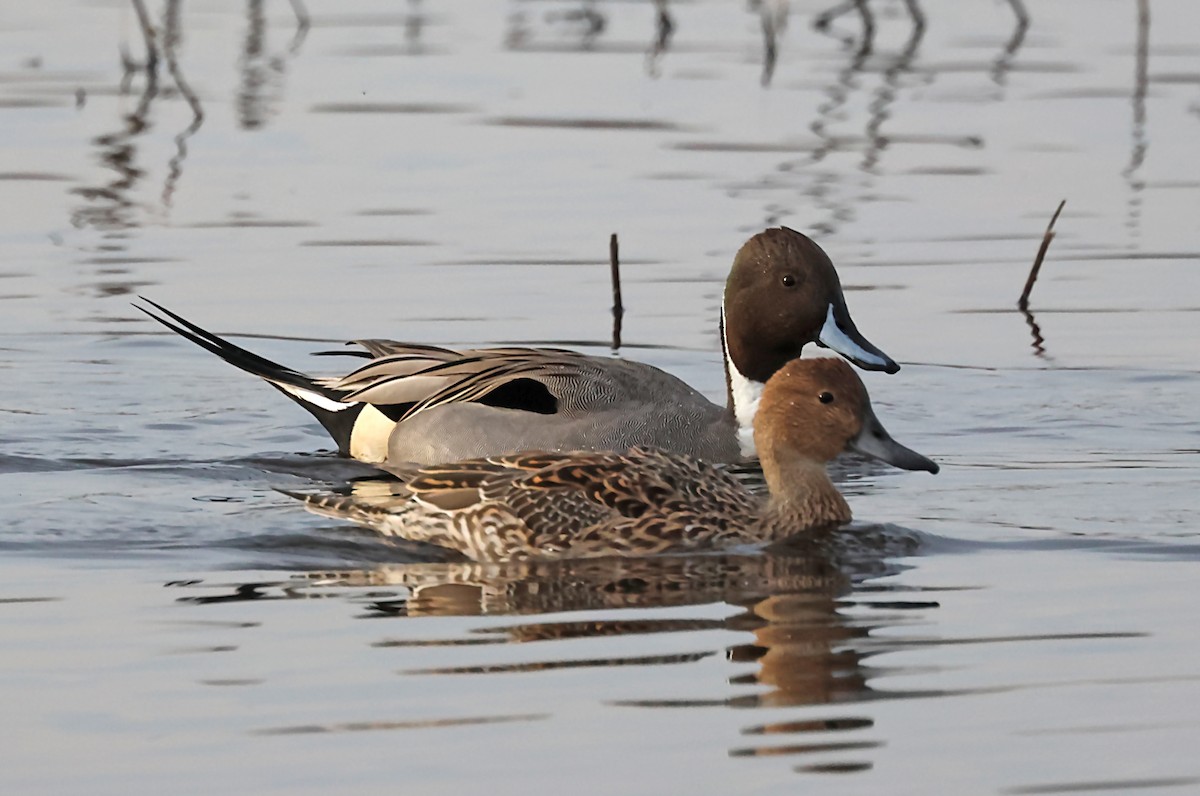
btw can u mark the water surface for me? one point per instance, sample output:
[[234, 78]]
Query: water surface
[[1020, 624]]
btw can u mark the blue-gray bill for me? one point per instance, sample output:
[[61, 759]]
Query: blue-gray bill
[[874, 441], [841, 335]]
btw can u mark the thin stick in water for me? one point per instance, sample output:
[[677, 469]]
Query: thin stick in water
[[618, 309], [1023, 302]]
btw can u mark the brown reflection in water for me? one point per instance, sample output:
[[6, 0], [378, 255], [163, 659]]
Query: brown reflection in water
[[811, 631], [792, 602], [553, 586], [802, 648], [582, 663]]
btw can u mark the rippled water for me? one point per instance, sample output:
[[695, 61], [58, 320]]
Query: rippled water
[[1023, 623]]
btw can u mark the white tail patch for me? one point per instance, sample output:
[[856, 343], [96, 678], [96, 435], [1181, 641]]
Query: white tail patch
[[312, 397]]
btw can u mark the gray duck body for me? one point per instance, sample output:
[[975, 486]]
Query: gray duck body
[[600, 403], [424, 404]]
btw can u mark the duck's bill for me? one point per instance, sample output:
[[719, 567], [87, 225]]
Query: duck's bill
[[874, 441], [841, 335]]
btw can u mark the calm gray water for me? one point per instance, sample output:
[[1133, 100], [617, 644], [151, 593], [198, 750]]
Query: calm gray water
[[1024, 623]]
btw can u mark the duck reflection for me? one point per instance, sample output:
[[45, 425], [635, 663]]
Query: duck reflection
[[798, 610]]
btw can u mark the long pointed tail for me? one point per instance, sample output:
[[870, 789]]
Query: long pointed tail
[[324, 403], [376, 512]]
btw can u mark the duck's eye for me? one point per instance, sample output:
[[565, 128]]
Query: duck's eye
[[825, 397], [789, 280]]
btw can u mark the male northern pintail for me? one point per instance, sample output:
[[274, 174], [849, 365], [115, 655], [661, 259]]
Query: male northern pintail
[[645, 501], [422, 404]]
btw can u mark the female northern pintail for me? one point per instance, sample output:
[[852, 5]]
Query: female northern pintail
[[422, 404], [645, 501]]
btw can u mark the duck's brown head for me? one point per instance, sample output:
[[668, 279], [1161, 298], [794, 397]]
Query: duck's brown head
[[783, 293], [814, 409]]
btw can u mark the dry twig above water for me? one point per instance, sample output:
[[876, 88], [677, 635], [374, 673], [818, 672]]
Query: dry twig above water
[[1023, 302]]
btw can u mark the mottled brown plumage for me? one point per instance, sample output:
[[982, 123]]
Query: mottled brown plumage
[[643, 501]]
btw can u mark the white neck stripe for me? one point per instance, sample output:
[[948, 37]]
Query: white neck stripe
[[746, 394]]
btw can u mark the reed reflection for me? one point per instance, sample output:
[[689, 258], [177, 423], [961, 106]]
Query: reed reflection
[[583, 24], [111, 205], [172, 36], [1139, 143], [879, 109], [260, 91], [824, 22], [664, 29], [1004, 62], [826, 188]]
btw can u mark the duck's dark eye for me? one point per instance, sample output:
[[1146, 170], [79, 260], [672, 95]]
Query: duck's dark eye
[[789, 280], [825, 397]]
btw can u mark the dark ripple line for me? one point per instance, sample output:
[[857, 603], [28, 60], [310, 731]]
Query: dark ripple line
[[803, 748], [520, 668], [812, 725], [1104, 785], [425, 724], [938, 642]]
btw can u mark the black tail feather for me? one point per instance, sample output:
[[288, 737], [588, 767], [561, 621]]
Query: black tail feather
[[339, 423]]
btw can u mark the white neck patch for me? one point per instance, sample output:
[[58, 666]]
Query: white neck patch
[[746, 395]]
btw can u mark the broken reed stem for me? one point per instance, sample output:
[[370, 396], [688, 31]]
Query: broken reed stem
[[618, 309], [1023, 302]]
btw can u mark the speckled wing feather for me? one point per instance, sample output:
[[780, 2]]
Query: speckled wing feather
[[669, 502], [558, 504], [643, 501], [429, 377], [473, 385]]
